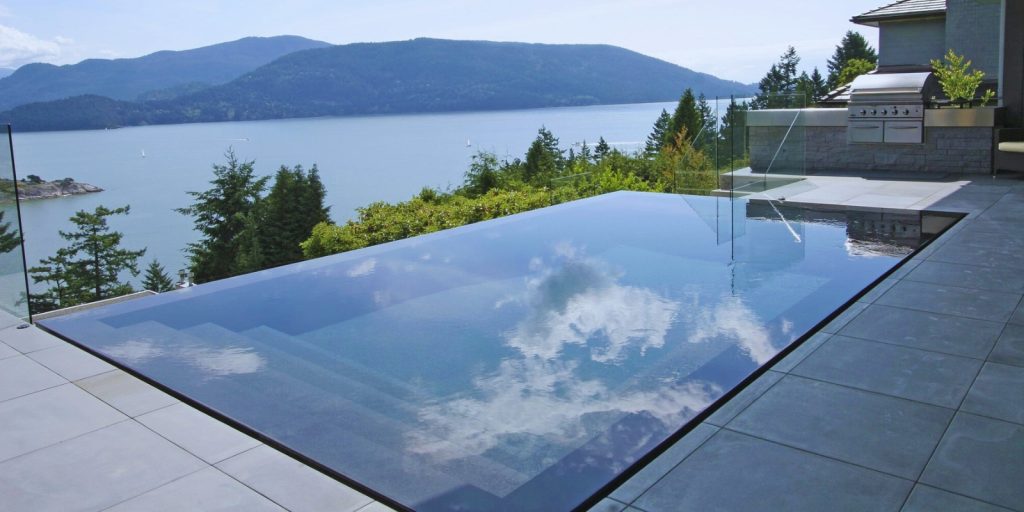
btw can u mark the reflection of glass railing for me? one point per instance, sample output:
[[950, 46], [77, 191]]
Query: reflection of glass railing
[[13, 277]]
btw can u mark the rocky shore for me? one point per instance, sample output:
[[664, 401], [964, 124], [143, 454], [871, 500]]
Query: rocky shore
[[48, 189]]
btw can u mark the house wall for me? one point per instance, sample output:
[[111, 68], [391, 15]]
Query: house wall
[[972, 29], [911, 43], [1013, 64]]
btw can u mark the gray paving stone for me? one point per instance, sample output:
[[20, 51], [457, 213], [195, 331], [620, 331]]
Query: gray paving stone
[[982, 458], [208, 490], [203, 436], [734, 472], [844, 318], [929, 499], [29, 339], [71, 362], [6, 351], [1010, 347], [290, 483], [643, 480], [921, 329], [376, 507], [21, 376], [93, 471], [126, 393], [605, 505], [800, 353], [730, 409], [921, 375], [977, 255], [9, 320], [50, 416], [952, 300], [1018, 315], [877, 291], [879, 432], [969, 276], [998, 393]]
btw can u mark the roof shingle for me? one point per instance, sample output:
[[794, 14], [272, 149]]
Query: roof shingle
[[901, 10]]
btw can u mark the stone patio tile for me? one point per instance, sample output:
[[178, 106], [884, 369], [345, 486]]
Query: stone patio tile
[[879, 432], [208, 490], [969, 276], [730, 409], [9, 320], [878, 290], [659, 467], [126, 393], [977, 255], [800, 353], [21, 376], [376, 507], [1008, 240], [71, 362], [921, 375], [1010, 347], [50, 416], [733, 472], [202, 435], [290, 483], [929, 331], [6, 351], [952, 300], [29, 339], [1018, 315], [93, 471], [982, 458], [605, 505], [844, 318], [998, 393], [929, 499]]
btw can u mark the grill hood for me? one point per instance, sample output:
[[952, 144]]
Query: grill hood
[[881, 88]]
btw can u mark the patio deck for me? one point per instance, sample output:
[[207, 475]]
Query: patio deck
[[913, 399]]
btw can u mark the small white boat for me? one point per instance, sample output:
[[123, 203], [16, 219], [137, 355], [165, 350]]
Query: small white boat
[[468, 143], [143, 153]]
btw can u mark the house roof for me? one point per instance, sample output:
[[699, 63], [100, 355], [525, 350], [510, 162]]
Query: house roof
[[902, 10]]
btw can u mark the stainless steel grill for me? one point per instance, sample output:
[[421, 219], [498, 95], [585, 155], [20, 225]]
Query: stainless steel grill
[[888, 108]]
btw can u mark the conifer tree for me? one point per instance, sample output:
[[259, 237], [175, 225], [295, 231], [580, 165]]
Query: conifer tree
[[685, 116], [601, 150], [9, 239], [658, 134], [544, 160], [156, 279], [220, 215], [778, 87], [852, 46]]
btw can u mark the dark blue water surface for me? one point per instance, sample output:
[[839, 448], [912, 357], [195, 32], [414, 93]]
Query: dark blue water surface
[[517, 364]]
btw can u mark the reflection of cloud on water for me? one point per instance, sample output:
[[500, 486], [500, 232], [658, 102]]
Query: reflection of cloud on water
[[574, 301], [734, 320], [580, 303], [364, 268], [544, 399], [214, 362]]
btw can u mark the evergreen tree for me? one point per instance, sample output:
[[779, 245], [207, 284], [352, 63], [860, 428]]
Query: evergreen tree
[[88, 269], [9, 239], [220, 215], [732, 139], [278, 223], [544, 160], [819, 86], [685, 116], [482, 175], [156, 278], [778, 87], [602, 150], [853, 69], [659, 133], [804, 91], [853, 46], [706, 116]]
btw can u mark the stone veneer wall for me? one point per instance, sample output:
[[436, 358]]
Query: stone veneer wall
[[824, 148]]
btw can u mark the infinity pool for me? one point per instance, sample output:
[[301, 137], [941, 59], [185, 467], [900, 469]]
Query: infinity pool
[[517, 364]]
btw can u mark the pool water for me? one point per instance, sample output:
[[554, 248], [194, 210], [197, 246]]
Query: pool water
[[516, 364]]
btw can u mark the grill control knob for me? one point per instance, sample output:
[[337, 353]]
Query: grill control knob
[[885, 112], [863, 112], [874, 112], [906, 111]]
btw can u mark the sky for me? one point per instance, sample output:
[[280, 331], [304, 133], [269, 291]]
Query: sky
[[737, 39]]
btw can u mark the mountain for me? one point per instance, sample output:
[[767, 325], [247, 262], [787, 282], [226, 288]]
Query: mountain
[[126, 79], [6, 71], [421, 75]]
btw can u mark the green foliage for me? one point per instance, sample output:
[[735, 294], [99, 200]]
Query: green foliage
[[34, 179], [89, 268], [852, 46], [853, 69], [957, 79], [659, 134], [685, 118], [221, 215], [9, 237], [156, 279], [778, 87], [544, 160]]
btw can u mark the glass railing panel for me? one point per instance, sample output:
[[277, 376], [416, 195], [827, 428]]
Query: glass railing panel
[[13, 277]]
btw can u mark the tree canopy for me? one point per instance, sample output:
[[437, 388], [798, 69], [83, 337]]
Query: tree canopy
[[852, 46]]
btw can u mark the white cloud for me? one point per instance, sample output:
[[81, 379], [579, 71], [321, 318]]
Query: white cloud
[[213, 362], [17, 47]]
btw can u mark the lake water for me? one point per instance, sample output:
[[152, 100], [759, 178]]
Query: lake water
[[361, 160]]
